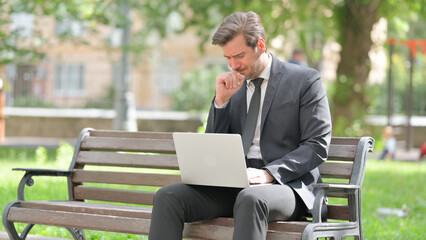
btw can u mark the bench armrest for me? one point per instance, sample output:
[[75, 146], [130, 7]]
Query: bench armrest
[[30, 172], [324, 189]]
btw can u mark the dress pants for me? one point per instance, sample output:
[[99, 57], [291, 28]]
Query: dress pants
[[252, 208]]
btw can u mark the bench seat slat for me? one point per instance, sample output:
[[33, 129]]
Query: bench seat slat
[[128, 144], [342, 170], [90, 208], [141, 179], [127, 160], [211, 230], [113, 195]]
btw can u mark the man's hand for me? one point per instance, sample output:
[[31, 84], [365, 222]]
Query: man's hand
[[259, 176], [227, 84]]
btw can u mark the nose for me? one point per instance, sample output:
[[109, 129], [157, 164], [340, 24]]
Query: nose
[[234, 63]]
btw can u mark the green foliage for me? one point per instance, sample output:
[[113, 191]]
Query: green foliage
[[197, 90], [64, 155], [344, 128], [343, 90], [41, 155], [23, 154], [106, 101], [30, 101]]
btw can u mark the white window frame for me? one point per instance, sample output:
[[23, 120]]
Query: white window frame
[[23, 23], [169, 75], [69, 80], [67, 25]]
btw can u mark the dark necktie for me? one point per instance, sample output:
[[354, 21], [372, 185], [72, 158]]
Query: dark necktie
[[251, 120]]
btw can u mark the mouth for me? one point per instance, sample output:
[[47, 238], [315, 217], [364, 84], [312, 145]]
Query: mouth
[[241, 71]]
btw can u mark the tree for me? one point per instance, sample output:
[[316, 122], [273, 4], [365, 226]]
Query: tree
[[356, 20], [349, 22]]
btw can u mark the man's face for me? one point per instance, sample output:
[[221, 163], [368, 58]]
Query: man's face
[[242, 58]]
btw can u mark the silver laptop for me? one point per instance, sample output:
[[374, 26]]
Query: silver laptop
[[211, 159]]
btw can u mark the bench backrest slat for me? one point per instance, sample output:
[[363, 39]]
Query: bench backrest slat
[[127, 178], [338, 212], [127, 160], [113, 195], [342, 152], [339, 170], [128, 144], [100, 155], [123, 134], [344, 141]]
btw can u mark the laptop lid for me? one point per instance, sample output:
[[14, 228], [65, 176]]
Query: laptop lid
[[211, 159]]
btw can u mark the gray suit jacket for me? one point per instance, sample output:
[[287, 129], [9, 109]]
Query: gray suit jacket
[[295, 126]]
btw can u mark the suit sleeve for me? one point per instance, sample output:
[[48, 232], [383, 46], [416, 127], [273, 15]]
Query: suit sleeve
[[315, 133], [218, 119]]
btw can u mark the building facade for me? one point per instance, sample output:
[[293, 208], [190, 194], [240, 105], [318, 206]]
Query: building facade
[[84, 67]]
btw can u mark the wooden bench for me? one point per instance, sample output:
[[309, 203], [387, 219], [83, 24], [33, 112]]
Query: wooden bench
[[128, 167]]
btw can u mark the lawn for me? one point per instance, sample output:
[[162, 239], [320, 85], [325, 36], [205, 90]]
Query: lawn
[[387, 184]]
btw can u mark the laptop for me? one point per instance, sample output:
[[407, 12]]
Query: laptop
[[211, 159]]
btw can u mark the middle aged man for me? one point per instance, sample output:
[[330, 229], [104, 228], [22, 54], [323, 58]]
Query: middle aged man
[[282, 113]]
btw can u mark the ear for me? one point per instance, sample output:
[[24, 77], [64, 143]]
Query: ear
[[261, 44]]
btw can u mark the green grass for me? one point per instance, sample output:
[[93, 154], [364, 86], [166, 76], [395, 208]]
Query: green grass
[[392, 185], [387, 184]]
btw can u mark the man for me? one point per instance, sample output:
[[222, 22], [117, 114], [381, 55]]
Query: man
[[390, 144], [289, 137], [298, 57]]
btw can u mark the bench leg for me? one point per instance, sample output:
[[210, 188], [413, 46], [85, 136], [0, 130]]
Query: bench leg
[[77, 234]]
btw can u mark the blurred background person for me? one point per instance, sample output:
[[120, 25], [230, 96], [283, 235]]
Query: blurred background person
[[298, 57], [390, 144]]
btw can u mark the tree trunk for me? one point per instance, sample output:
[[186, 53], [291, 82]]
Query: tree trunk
[[349, 101]]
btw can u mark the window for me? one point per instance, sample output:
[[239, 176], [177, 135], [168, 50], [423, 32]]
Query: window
[[116, 37], [69, 26], [69, 80], [22, 23], [168, 75]]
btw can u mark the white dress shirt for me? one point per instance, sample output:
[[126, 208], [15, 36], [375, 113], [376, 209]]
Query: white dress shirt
[[254, 151]]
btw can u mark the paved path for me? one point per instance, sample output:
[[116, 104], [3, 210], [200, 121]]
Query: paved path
[[401, 154], [34, 142]]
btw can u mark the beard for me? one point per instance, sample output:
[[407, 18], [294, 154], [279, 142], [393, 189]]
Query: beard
[[256, 69], [255, 72]]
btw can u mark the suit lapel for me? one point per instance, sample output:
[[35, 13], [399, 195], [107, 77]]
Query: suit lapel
[[273, 84]]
